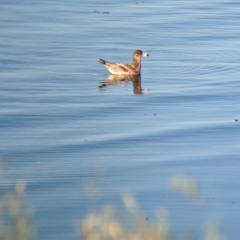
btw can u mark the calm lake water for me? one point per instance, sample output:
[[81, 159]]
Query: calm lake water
[[61, 133]]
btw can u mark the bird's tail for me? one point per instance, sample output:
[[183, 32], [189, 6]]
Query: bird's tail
[[102, 61]]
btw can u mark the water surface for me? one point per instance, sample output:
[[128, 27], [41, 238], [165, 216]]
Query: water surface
[[58, 127]]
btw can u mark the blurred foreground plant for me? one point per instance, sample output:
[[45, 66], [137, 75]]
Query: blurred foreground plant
[[14, 219], [105, 225], [182, 184]]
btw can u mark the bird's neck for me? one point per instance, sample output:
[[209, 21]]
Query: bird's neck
[[136, 65]]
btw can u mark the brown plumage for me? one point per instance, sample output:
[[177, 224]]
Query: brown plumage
[[123, 68]]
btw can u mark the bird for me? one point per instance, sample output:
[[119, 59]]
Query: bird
[[123, 68]]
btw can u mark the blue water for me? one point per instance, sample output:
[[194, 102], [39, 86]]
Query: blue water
[[58, 128]]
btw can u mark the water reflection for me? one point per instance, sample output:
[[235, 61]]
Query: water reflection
[[121, 80]]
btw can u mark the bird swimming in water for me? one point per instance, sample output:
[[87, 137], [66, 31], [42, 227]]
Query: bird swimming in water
[[123, 68]]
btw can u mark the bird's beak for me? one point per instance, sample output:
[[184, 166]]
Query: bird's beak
[[145, 54]]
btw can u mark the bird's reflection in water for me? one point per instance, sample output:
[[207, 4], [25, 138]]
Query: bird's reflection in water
[[123, 79]]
